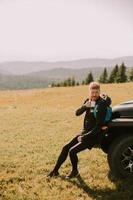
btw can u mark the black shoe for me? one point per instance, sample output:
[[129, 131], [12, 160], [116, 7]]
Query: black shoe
[[73, 174], [53, 173]]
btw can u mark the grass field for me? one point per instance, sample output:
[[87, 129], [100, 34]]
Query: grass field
[[34, 126]]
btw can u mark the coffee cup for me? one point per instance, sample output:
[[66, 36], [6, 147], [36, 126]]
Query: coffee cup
[[93, 104]]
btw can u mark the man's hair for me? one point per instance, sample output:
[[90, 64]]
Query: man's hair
[[94, 85]]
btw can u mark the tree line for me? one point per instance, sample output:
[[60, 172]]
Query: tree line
[[117, 75]]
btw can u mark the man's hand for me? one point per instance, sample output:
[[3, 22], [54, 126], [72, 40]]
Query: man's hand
[[88, 104], [80, 138]]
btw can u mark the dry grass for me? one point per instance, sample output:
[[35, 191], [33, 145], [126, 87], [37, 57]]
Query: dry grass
[[34, 125]]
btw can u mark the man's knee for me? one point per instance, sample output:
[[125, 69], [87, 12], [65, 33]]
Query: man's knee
[[66, 148], [72, 151], [80, 133]]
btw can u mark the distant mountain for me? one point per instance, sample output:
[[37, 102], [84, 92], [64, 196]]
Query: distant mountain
[[64, 73], [23, 82], [24, 75], [44, 78], [21, 67]]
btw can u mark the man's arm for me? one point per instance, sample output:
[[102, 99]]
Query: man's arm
[[107, 99], [82, 109], [100, 117]]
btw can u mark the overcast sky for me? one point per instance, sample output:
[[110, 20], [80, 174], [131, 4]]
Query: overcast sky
[[50, 30]]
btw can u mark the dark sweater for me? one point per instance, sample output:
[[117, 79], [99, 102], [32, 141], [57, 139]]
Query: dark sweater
[[93, 125]]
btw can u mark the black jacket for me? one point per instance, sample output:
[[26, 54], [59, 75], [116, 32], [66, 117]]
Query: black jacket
[[93, 125]]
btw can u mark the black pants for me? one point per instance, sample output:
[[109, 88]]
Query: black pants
[[73, 147]]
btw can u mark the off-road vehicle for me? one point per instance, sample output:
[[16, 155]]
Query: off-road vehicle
[[118, 140]]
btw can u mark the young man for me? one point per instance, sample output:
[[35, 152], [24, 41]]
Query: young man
[[91, 132]]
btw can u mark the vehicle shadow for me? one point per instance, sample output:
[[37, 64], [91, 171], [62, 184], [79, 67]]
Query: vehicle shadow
[[123, 189]]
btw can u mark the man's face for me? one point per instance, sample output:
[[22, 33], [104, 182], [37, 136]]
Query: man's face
[[94, 94]]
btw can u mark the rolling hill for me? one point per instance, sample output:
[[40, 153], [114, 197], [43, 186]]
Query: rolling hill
[[25, 75]]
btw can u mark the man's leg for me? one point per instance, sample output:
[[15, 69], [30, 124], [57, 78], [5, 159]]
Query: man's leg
[[74, 158], [63, 155]]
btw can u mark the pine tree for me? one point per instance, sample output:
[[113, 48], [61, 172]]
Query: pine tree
[[89, 78], [69, 82], [121, 76], [61, 83], [73, 81], [83, 82], [113, 74], [104, 76], [131, 75], [53, 84], [65, 83], [58, 85]]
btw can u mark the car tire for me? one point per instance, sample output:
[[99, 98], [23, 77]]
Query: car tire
[[120, 157]]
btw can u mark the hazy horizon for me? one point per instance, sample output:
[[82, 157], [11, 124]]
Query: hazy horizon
[[72, 59]]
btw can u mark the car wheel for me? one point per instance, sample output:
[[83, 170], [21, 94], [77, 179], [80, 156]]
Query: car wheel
[[120, 156]]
